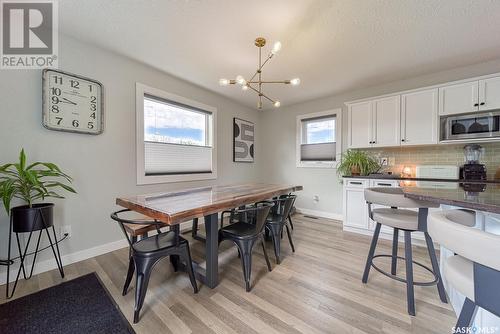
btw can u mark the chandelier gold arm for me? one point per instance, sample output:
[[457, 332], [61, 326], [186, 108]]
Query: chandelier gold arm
[[256, 79], [261, 94], [286, 82]]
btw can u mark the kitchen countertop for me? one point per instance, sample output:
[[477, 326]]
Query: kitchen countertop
[[470, 195], [400, 178]]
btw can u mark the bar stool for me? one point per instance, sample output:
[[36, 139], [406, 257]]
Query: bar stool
[[408, 221], [475, 269]]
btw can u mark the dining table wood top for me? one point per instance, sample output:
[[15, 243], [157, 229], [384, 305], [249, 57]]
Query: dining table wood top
[[176, 207]]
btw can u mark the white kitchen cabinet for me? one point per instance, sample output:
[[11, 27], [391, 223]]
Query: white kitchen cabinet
[[419, 117], [360, 124], [386, 121], [374, 123], [489, 94], [355, 208], [459, 98]]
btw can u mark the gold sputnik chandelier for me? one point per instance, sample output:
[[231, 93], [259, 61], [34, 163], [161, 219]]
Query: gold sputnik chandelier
[[255, 83]]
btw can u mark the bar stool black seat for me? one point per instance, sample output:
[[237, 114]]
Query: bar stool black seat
[[279, 219], [146, 253], [246, 233], [408, 221]]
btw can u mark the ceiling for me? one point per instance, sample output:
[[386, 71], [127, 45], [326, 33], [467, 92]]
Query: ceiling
[[333, 46]]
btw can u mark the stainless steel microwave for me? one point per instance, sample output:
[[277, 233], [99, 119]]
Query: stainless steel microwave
[[471, 126]]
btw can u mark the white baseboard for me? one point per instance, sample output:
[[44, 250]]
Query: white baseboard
[[321, 214], [46, 265], [67, 259]]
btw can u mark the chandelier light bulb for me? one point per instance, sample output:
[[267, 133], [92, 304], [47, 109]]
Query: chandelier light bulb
[[223, 82], [241, 80], [244, 87], [277, 104], [295, 81], [276, 48]]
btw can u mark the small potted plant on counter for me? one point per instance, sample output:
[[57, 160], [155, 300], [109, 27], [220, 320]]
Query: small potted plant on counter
[[355, 163], [32, 184]]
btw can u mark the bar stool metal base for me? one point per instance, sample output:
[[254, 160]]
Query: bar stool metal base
[[402, 280], [409, 265]]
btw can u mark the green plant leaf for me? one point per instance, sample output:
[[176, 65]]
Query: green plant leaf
[[7, 191], [22, 159], [31, 183], [360, 160], [59, 184]]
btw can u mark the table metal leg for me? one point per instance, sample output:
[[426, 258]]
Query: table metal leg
[[212, 250], [194, 232]]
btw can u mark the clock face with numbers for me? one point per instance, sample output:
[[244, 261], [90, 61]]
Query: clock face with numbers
[[72, 103]]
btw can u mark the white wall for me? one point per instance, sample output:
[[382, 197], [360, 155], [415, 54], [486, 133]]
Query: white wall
[[279, 135], [103, 166]]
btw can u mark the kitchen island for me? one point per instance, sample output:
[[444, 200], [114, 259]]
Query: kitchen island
[[484, 199], [470, 195]]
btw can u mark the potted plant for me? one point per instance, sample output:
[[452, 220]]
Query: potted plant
[[354, 162], [31, 183]]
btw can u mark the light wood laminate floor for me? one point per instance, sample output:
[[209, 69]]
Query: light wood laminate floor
[[317, 289]]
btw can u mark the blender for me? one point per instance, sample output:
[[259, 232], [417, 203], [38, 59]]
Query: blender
[[473, 169]]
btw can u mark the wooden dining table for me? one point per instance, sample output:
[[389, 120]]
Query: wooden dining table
[[173, 208]]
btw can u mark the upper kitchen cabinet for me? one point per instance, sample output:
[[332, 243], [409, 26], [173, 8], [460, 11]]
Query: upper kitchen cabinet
[[386, 121], [360, 124], [489, 94], [459, 98], [374, 123], [470, 96], [419, 117]]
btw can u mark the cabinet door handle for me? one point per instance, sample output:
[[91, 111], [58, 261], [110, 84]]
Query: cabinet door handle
[[476, 104], [482, 104], [353, 182], [384, 184], [402, 140]]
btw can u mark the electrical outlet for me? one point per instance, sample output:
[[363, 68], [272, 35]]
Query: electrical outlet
[[384, 161], [316, 198], [66, 229]]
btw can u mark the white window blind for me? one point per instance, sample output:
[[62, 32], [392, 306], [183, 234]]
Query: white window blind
[[318, 139], [177, 138]]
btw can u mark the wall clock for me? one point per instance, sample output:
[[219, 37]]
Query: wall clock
[[72, 103]]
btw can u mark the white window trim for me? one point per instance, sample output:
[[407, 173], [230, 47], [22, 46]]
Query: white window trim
[[338, 139], [142, 178]]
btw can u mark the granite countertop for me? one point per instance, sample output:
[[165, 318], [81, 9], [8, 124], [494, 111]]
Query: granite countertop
[[470, 195], [400, 178]]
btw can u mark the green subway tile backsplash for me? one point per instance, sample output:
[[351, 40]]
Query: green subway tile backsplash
[[437, 155]]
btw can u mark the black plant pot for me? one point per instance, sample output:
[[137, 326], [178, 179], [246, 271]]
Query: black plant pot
[[38, 217]]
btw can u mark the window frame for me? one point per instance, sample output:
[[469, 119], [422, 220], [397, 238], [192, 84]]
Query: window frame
[[337, 113], [142, 178]]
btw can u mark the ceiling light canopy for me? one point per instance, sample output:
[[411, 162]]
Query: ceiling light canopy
[[255, 83]]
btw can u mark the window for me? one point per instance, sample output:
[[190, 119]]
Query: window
[[318, 139], [175, 138]]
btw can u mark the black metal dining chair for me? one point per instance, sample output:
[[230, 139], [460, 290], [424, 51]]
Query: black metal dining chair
[[246, 233], [292, 210], [146, 253], [279, 219]]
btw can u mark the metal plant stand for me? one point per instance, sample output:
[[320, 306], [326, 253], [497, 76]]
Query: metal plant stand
[[40, 224]]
